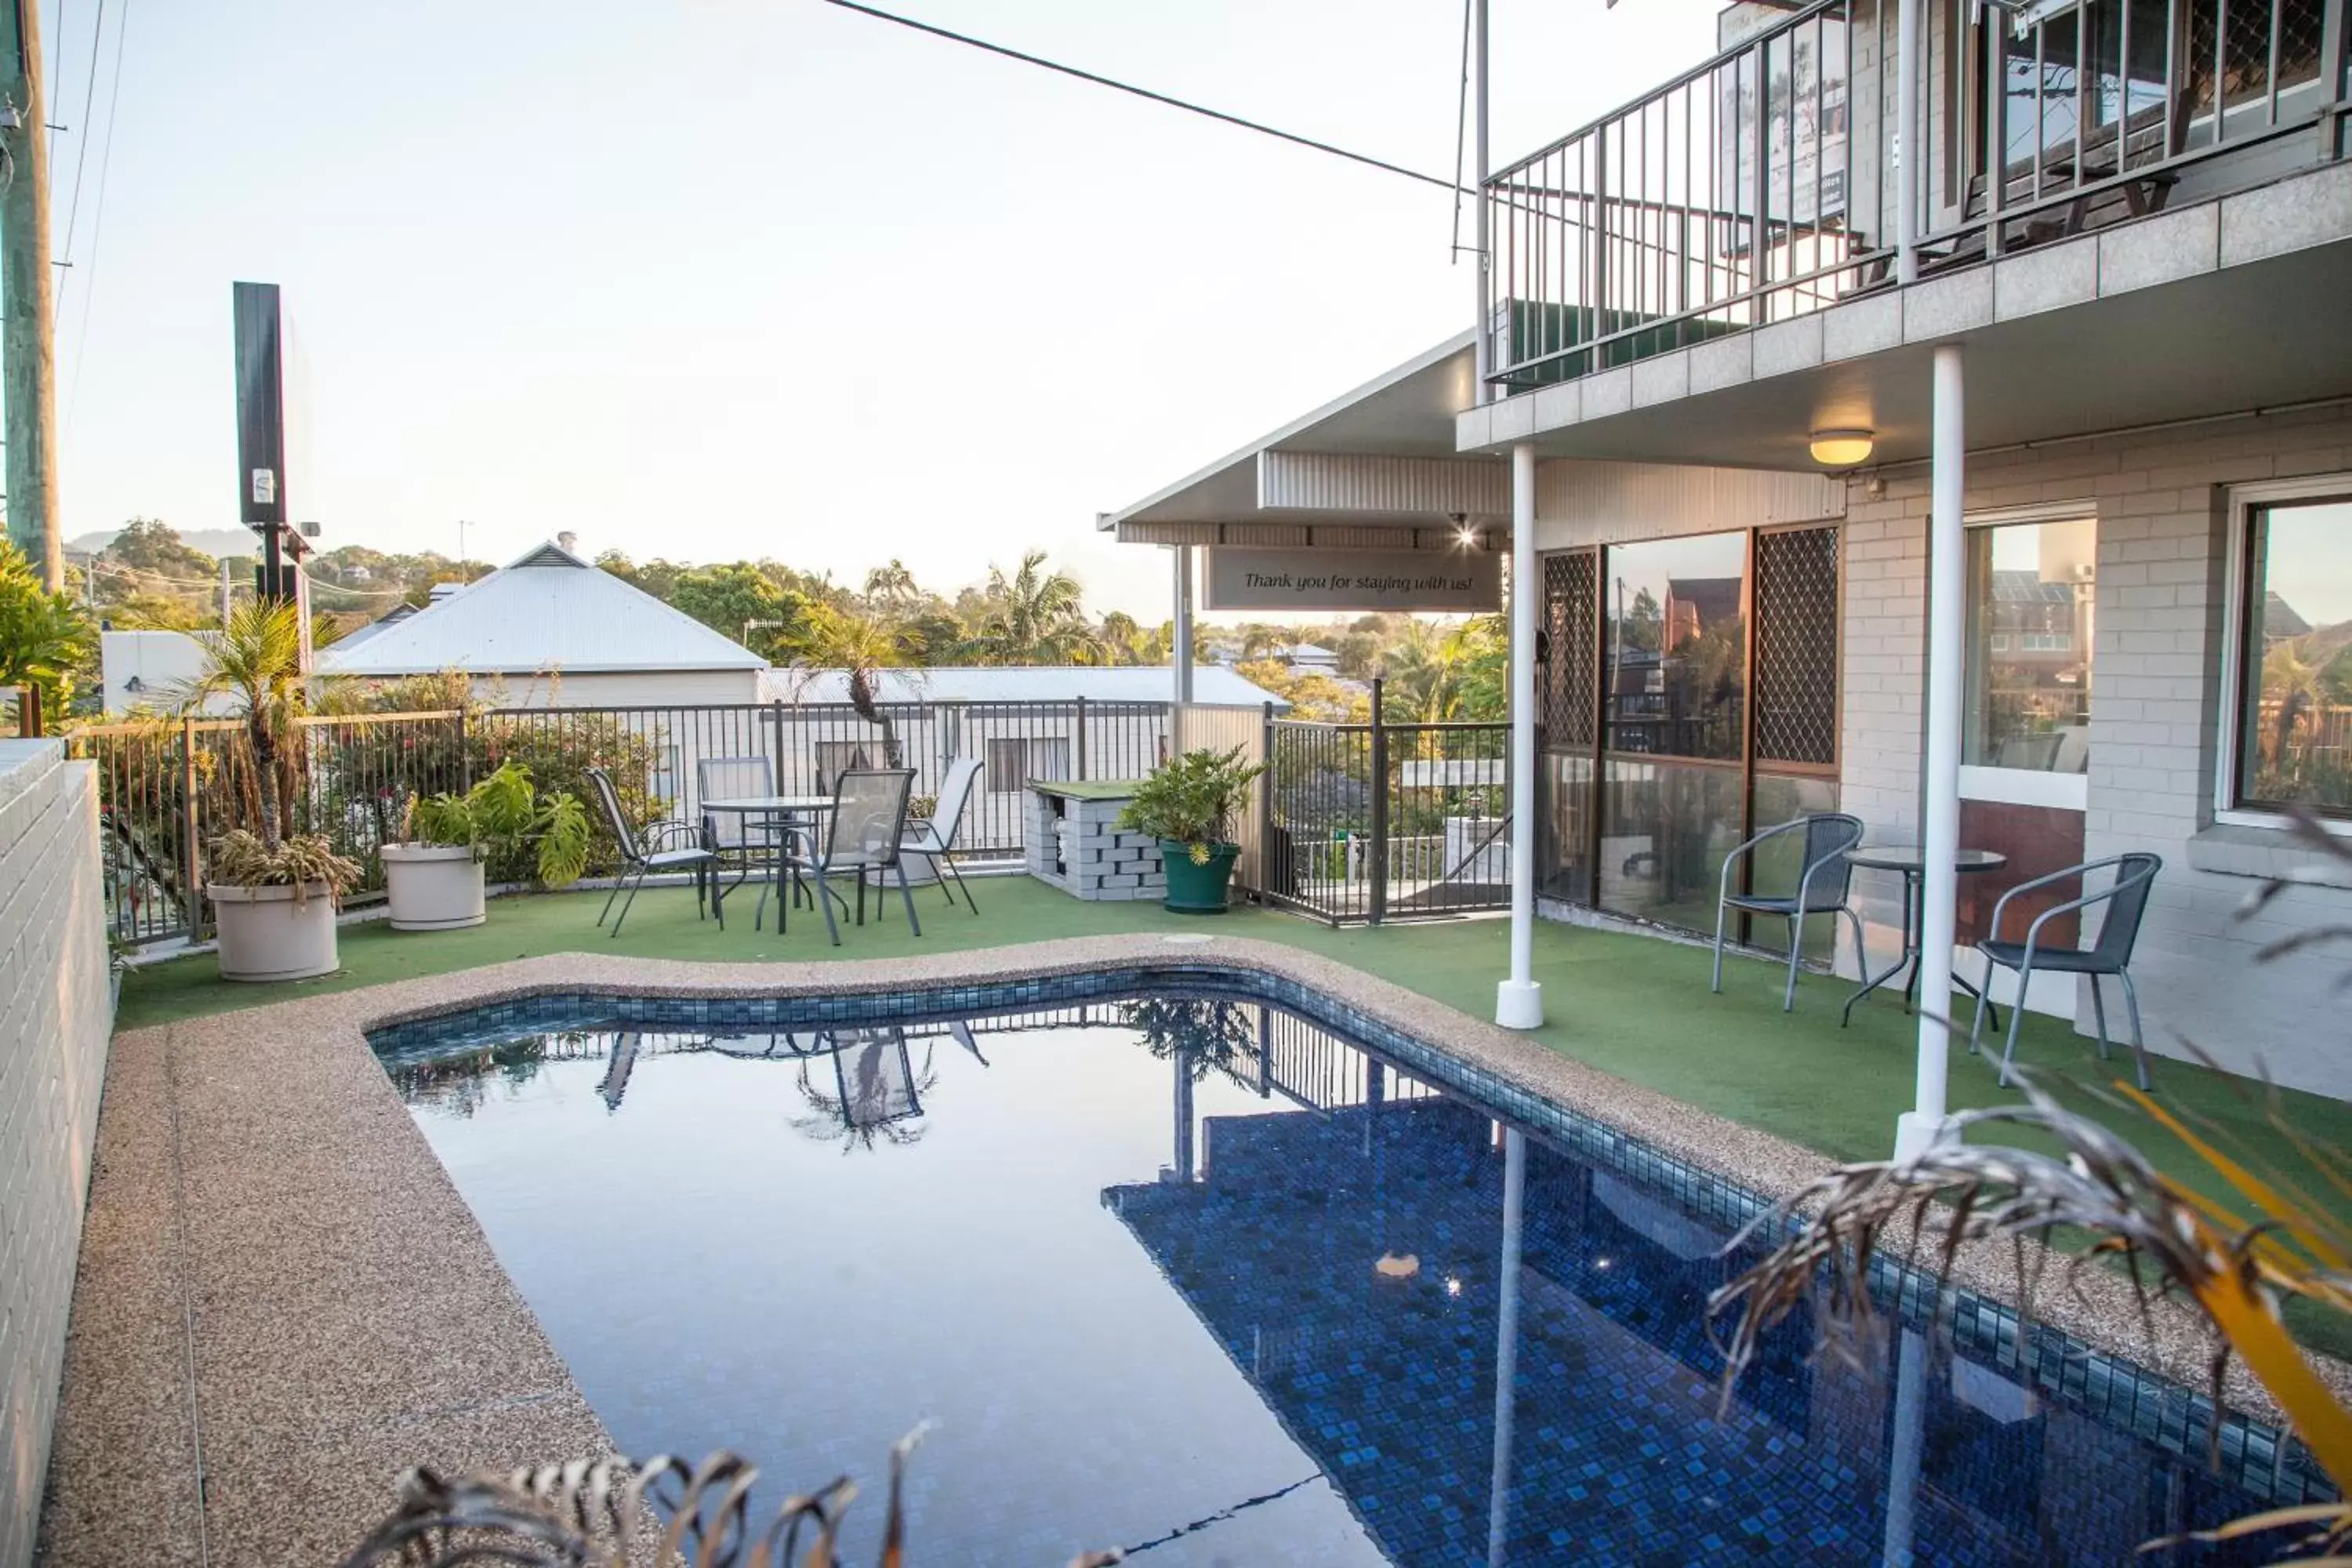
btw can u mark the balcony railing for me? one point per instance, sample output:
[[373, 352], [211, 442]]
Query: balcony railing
[[1762, 186]]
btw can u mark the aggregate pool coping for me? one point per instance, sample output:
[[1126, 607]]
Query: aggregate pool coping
[[283, 1303]]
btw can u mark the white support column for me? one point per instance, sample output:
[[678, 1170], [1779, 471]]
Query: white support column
[[1939, 820], [1518, 1001], [1907, 139], [1182, 655]]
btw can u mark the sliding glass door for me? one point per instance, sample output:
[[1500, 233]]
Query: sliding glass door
[[1689, 698]]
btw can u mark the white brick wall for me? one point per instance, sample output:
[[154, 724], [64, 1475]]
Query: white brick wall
[[55, 1020], [2156, 711]]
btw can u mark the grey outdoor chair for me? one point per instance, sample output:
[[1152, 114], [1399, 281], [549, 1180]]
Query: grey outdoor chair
[[937, 836], [862, 833], [2125, 897], [1824, 886], [642, 854], [732, 835], [733, 778]]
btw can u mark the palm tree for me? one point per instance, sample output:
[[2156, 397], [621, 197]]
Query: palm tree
[[256, 657], [1423, 674], [1120, 636], [861, 647], [892, 587], [1035, 617]]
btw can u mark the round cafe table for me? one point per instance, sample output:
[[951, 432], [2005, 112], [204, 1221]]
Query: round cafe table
[[770, 815], [1910, 862]]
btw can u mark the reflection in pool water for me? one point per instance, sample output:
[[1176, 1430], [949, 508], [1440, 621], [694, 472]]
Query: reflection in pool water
[[1145, 1263]]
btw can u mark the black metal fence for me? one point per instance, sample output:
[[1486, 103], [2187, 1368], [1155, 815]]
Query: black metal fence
[[1380, 821], [168, 785]]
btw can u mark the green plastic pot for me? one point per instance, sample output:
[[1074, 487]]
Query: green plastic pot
[[1197, 888]]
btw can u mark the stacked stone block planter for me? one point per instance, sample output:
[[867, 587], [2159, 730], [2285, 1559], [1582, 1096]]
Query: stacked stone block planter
[[1074, 843]]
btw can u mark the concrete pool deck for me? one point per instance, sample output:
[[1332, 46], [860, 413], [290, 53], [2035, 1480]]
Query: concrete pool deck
[[283, 1303]]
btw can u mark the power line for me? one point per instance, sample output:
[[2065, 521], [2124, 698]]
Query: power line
[[81, 148], [1145, 92], [97, 219]]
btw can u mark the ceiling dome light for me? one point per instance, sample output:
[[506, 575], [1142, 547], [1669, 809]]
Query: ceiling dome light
[[1842, 448]]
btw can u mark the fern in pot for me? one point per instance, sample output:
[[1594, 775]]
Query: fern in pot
[[1189, 804], [434, 878]]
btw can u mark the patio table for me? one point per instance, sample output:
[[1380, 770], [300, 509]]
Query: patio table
[[1911, 862], [770, 814]]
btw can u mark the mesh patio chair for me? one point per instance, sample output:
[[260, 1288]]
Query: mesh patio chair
[[861, 834], [1825, 886], [733, 778], [937, 836], [642, 854], [745, 842], [2125, 896]]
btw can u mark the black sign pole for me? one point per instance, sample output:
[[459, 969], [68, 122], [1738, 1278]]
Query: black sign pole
[[261, 430]]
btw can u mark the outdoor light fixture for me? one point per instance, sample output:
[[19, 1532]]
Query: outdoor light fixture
[[1463, 534], [1842, 448]]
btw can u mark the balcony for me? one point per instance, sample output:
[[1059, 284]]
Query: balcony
[[1762, 186]]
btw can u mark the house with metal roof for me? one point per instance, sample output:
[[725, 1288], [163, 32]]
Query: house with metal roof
[[550, 629], [1997, 466]]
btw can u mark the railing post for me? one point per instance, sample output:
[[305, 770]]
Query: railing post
[[465, 755], [1378, 868], [2331, 82], [1081, 747], [776, 742], [191, 866], [1760, 188], [1272, 875]]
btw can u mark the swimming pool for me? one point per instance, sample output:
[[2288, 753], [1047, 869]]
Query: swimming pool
[[1177, 1268]]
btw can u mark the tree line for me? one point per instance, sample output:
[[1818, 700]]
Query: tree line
[[148, 577]]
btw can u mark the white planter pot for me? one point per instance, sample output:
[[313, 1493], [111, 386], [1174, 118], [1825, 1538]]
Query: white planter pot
[[266, 934], [432, 887], [921, 869]]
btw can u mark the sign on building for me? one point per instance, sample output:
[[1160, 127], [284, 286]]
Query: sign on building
[[1310, 582]]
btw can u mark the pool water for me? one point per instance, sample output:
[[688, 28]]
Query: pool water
[[1198, 1278]]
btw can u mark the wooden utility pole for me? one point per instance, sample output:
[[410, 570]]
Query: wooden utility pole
[[28, 378]]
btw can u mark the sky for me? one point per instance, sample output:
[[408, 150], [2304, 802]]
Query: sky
[[717, 279]]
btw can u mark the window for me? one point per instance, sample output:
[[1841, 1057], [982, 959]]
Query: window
[[2028, 633], [1010, 763], [2294, 653]]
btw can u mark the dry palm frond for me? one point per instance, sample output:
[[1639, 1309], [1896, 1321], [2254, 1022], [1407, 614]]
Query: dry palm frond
[[2234, 1268], [611, 1513]]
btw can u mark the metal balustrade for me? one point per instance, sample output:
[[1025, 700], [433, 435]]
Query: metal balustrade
[[1762, 186]]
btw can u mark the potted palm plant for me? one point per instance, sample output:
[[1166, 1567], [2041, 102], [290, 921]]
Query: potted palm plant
[[1189, 804], [274, 891], [434, 876]]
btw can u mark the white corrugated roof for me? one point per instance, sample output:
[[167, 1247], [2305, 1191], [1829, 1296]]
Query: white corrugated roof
[[549, 610], [1022, 683]]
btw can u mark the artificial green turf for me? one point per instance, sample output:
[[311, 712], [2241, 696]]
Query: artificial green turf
[[1634, 1005]]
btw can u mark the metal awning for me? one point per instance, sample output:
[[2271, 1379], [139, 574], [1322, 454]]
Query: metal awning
[[1382, 457]]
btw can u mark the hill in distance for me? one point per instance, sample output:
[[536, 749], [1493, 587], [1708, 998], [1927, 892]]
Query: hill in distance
[[213, 541]]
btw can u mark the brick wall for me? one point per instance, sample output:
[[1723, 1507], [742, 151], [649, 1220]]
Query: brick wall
[[55, 1020], [2160, 498]]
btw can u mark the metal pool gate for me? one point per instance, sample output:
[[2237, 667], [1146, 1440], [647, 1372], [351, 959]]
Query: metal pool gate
[[1380, 821]]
